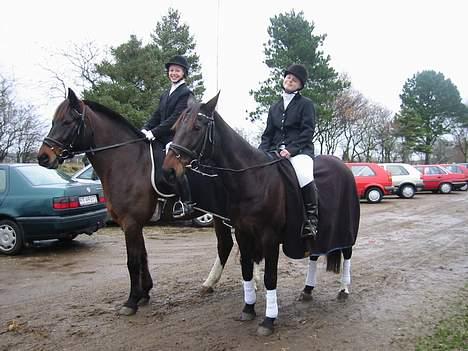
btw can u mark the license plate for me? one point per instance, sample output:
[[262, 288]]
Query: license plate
[[87, 200]]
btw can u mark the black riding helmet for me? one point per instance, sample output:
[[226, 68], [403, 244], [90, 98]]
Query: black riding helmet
[[179, 61], [299, 71]]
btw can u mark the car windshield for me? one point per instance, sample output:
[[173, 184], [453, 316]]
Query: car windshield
[[43, 176]]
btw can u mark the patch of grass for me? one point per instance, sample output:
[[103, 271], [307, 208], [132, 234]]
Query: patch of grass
[[450, 333]]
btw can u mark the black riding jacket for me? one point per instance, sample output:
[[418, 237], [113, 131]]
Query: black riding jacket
[[293, 127], [167, 113]]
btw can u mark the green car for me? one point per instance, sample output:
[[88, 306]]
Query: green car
[[40, 204]]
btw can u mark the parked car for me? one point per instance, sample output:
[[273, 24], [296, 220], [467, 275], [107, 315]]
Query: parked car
[[88, 175], [39, 204], [372, 181], [437, 179], [458, 169], [406, 179]]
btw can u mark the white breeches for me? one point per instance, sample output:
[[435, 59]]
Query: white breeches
[[304, 167]]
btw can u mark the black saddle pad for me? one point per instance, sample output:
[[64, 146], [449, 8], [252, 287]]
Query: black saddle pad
[[339, 209]]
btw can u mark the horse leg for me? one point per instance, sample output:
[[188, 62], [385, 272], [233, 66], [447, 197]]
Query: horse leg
[[270, 279], [345, 274], [225, 243], [135, 246], [311, 279], [146, 280], [250, 295]]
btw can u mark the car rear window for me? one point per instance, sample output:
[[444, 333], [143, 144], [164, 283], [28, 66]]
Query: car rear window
[[43, 176], [362, 171]]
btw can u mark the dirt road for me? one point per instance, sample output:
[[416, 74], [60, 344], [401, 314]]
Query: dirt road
[[409, 268]]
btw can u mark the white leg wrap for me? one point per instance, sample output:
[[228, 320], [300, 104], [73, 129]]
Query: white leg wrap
[[271, 304], [215, 274], [346, 275], [250, 297], [311, 278]]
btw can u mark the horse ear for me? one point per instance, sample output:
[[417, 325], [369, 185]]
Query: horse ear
[[191, 101], [73, 100], [210, 106]]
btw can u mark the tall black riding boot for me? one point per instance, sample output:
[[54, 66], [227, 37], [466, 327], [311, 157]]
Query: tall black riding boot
[[310, 227], [183, 207]]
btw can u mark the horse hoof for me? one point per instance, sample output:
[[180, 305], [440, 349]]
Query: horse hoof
[[205, 290], [127, 311], [144, 301], [343, 295], [264, 331], [305, 297], [247, 316]]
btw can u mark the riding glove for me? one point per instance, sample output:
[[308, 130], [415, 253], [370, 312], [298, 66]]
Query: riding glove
[[148, 134]]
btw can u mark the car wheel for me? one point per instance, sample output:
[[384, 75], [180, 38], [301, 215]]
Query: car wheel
[[11, 237], [374, 195], [464, 187], [407, 191], [445, 188], [203, 221]]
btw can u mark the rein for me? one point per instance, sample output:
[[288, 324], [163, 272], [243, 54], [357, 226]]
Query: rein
[[195, 158], [68, 152]]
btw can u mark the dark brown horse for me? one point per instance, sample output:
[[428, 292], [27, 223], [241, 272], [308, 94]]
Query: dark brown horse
[[121, 158], [265, 208]]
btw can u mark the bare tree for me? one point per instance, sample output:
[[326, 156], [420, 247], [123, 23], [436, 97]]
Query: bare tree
[[20, 127], [79, 69]]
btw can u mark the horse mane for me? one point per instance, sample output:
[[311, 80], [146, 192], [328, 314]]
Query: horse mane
[[97, 107]]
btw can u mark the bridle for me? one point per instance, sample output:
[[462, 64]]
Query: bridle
[[68, 149], [196, 157]]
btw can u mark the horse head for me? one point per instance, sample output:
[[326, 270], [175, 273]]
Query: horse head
[[67, 134], [194, 138]]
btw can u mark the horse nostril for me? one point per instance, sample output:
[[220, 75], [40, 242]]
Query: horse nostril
[[43, 159], [170, 175]]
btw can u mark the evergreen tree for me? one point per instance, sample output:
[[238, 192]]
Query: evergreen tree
[[133, 80], [292, 41], [430, 105]]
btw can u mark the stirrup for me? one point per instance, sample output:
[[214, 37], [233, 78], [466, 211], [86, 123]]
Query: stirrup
[[181, 209], [309, 231]]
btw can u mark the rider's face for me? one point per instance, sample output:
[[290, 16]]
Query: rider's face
[[291, 83], [175, 73]]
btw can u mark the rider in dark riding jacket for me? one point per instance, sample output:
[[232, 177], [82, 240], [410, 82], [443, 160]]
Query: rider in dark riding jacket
[[159, 126]]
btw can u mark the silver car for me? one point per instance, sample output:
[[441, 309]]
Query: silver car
[[405, 178]]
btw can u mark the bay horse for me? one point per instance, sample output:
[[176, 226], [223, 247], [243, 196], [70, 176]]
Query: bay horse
[[121, 158], [263, 204]]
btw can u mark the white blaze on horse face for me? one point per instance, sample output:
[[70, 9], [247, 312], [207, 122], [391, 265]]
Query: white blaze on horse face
[[215, 274], [346, 275], [311, 278], [271, 304], [250, 296]]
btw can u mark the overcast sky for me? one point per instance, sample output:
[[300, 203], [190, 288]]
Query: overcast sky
[[379, 44]]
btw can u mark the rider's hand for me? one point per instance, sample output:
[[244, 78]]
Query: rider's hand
[[285, 153], [148, 134]]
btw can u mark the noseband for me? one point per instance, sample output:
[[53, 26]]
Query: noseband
[[67, 150], [208, 138]]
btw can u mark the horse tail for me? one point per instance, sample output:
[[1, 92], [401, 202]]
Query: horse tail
[[334, 261]]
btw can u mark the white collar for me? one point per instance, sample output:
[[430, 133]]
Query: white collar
[[287, 98], [174, 86]]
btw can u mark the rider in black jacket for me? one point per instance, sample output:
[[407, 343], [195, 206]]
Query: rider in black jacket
[[171, 104], [289, 131]]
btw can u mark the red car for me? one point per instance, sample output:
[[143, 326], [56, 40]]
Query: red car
[[437, 179], [458, 169], [372, 181]]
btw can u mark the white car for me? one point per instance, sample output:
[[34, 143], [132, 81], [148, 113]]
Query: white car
[[87, 175], [405, 178]]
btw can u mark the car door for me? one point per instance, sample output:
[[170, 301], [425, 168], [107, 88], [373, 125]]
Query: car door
[[433, 177]]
